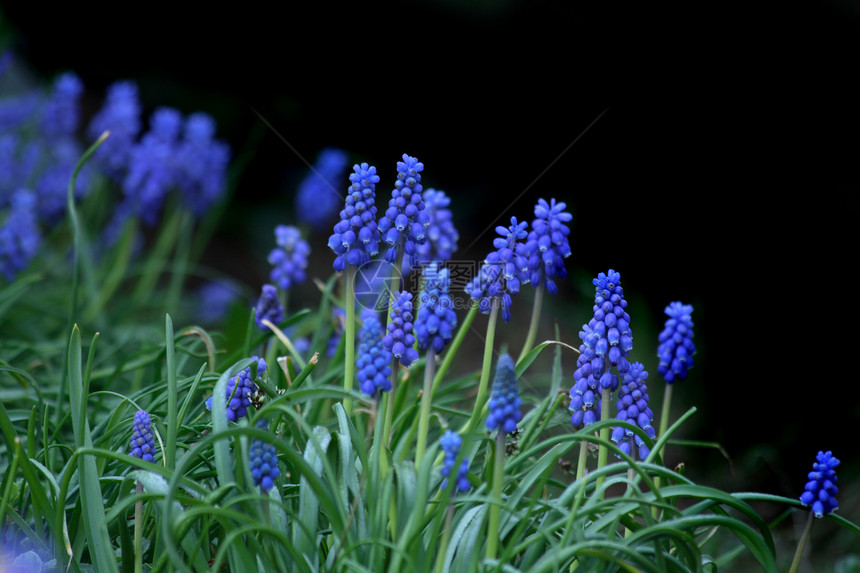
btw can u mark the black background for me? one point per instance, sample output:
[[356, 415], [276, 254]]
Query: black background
[[708, 151]]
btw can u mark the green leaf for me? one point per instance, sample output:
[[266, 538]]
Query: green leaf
[[305, 532]]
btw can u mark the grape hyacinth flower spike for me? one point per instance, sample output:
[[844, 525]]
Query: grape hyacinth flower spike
[[240, 390], [505, 402], [820, 491], [436, 320], [399, 340], [404, 224], [548, 245], [356, 237], [289, 259], [263, 460], [676, 347], [142, 443], [442, 236], [451, 442], [268, 307], [316, 198], [632, 406], [373, 366]]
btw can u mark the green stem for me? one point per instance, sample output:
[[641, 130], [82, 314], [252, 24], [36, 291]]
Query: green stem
[[426, 400], [349, 336], [446, 539], [533, 325], [454, 347], [664, 413], [801, 544], [486, 367], [496, 505], [138, 532], [583, 456], [603, 452], [389, 402]]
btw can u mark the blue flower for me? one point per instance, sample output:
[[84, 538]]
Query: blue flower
[[451, 443], [142, 443], [373, 365], [202, 163], [338, 316], [442, 236], [120, 114], [436, 317], [20, 236], [676, 347], [399, 339], [60, 160], [61, 112], [503, 272], [317, 199], [214, 300], [240, 389], [268, 307], [632, 406], [606, 343], [356, 238], [548, 245], [820, 491], [405, 217], [290, 259], [263, 459], [505, 402]]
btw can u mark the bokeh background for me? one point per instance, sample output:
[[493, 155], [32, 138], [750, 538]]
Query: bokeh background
[[707, 152]]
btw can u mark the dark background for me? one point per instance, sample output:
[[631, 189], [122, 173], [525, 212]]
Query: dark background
[[707, 152]]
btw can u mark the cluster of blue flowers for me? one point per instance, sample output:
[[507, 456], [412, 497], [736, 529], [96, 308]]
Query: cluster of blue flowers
[[317, 197], [404, 223], [676, 347], [632, 406], [142, 443], [240, 389], [451, 443], [436, 320], [399, 340], [504, 270], [268, 307], [505, 402], [263, 460], [373, 365], [547, 244], [820, 491], [290, 258], [356, 237], [606, 343], [442, 236]]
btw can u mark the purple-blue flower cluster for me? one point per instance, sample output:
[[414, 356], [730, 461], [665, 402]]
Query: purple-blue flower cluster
[[436, 319], [214, 300], [263, 460], [404, 224], [203, 161], [505, 401], [820, 491], [20, 236], [142, 443], [268, 307], [676, 347], [442, 236], [317, 198], [240, 389], [356, 237], [373, 365], [399, 340], [451, 443], [120, 115], [503, 272], [290, 259], [632, 406], [606, 343], [548, 245]]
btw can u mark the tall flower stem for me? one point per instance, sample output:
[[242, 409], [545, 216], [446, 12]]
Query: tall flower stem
[[349, 336], [583, 457], [389, 401], [664, 413], [138, 532], [801, 544], [603, 452], [483, 385], [462, 330], [446, 538], [533, 326], [426, 400], [496, 507]]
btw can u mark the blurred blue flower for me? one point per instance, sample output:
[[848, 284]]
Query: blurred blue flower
[[405, 217], [356, 238], [436, 319], [399, 340], [240, 389], [20, 236], [373, 365], [442, 236], [214, 300], [121, 115], [263, 460], [268, 307], [318, 198], [632, 406], [676, 347], [505, 401], [142, 443], [548, 245], [451, 443], [290, 258], [202, 164], [820, 491], [61, 111]]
